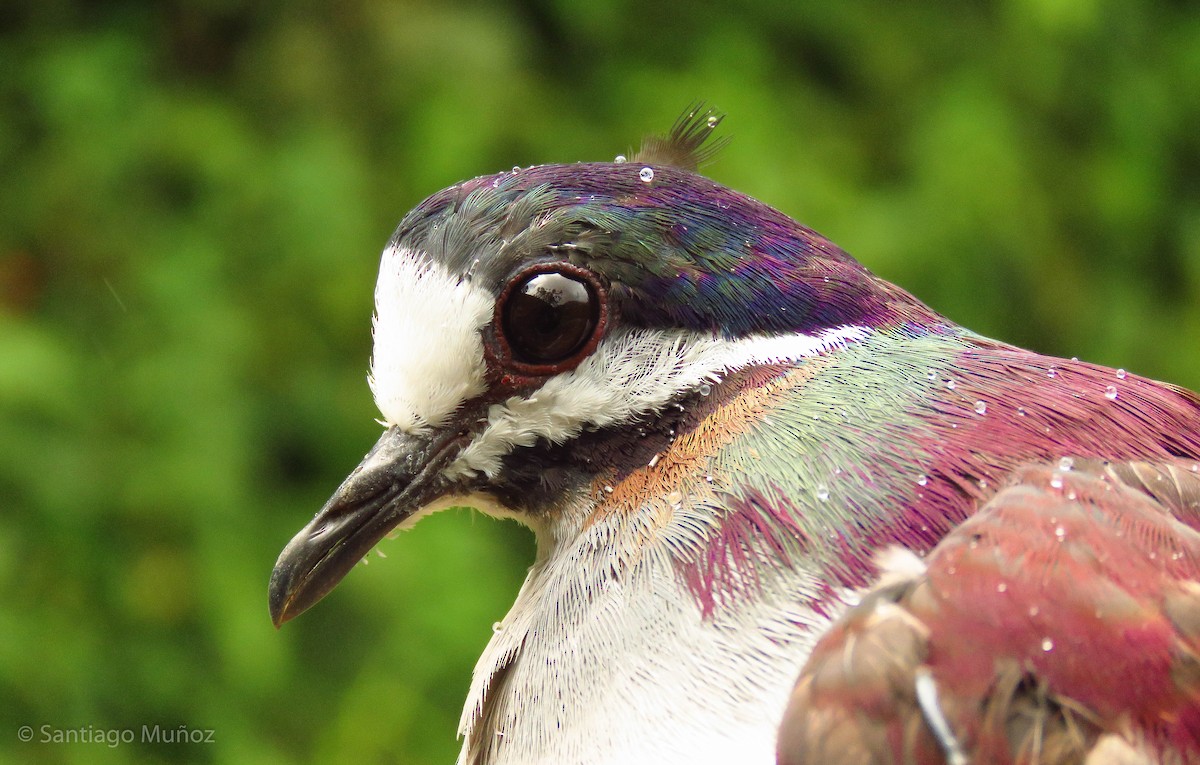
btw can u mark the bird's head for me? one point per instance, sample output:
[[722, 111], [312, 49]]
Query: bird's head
[[541, 333]]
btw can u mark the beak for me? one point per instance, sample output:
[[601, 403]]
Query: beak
[[400, 476]]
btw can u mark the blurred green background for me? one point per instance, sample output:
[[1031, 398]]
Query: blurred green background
[[193, 196]]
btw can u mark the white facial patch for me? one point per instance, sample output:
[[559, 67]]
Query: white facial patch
[[629, 375], [428, 356]]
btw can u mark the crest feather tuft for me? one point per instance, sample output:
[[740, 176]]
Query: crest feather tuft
[[684, 147]]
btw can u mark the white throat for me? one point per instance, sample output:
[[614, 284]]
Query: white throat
[[605, 658]]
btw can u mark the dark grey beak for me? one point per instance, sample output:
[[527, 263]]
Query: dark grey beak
[[400, 475]]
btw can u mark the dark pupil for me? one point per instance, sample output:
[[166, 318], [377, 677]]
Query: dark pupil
[[548, 317]]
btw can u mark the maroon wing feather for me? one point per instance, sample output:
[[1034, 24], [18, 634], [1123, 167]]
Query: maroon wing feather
[[1061, 621]]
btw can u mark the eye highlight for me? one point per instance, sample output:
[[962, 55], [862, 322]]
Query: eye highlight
[[549, 316]]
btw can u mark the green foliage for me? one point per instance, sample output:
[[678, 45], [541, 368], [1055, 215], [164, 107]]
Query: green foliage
[[192, 201]]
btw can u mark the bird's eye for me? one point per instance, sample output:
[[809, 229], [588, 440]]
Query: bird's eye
[[547, 317]]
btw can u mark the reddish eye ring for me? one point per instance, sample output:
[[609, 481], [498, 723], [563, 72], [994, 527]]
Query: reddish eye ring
[[549, 317]]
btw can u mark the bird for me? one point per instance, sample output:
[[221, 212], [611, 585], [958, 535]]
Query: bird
[[784, 511]]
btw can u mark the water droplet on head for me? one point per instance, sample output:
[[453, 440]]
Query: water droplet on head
[[1052, 373], [704, 389], [620, 159], [922, 479], [822, 493], [497, 628], [712, 121], [646, 174], [1066, 463], [1060, 532], [1110, 393], [1002, 587], [980, 407], [932, 375], [516, 168], [1056, 481], [1047, 645], [951, 385], [1020, 411], [1121, 373], [608, 489]]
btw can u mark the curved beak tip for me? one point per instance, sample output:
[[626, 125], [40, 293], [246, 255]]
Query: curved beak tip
[[278, 607], [393, 481], [281, 593]]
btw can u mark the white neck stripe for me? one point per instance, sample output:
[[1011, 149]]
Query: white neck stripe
[[628, 376]]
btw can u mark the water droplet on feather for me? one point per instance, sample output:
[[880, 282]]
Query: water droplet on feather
[[646, 174]]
